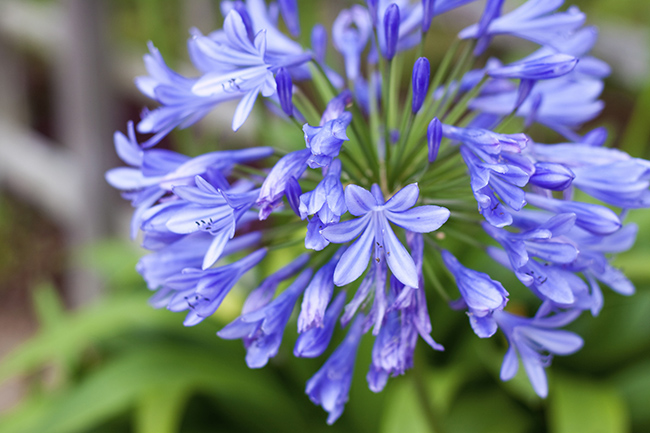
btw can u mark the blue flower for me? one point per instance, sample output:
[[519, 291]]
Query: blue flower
[[180, 105], [350, 33], [262, 329], [203, 291], [289, 166], [548, 175], [154, 172], [313, 342], [187, 252], [327, 199], [480, 294], [391, 24], [318, 295], [196, 213], [535, 341], [609, 175], [434, 138], [593, 262], [285, 91], [330, 386], [534, 20], [562, 104], [591, 217], [289, 10], [392, 353], [244, 70], [421, 72], [538, 241], [325, 141], [376, 233], [261, 296]]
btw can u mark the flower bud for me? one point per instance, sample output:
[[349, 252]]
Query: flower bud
[[319, 42], [289, 11], [391, 31], [372, 8], [427, 14], [285, 91], [421, 73], [549, 175], [434, 136]]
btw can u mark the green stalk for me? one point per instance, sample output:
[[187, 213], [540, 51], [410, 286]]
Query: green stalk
[[358, 150], [437, 80], [432, 105], [393, 89], [305, 106], [422, 118], [350, 162], [419, 382], [460, 69], [384, 105], [404, 136], [456, 112]]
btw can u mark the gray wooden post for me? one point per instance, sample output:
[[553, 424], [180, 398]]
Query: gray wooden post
[[86, 110]]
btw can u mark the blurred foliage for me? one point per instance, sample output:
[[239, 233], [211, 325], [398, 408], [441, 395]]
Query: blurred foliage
[[121, 366]]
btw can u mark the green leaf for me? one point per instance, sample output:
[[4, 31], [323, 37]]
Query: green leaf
[[168, 370], [160, 410], [579, 405], [634, 385], [73, 334], [402, 410], [47, 304], [487, 411]]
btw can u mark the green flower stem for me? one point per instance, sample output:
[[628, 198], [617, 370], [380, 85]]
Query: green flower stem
[[465, 204], [306, 108], [503, 125], [375, 122], [412, 146], [396, 67], [288, 229], [358, 148], [427, 267], [422, 117], [360, 127], [404, 136], [447, 185], [419, 382], [426, 170], [448, 158], [298, 124], [454, 115], [245, 169], [460, 69], [287, 244], [384, 103], [351, 163]]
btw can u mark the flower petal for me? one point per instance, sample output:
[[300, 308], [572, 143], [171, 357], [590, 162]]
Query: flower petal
[[403, 199], [421, 219], [355, 260], [345, 231], [359, 201], [399, 260]]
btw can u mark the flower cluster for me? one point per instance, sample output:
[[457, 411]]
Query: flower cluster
[[389, 178]]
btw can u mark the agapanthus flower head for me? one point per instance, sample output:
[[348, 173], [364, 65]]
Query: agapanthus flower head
[[381, 182], [535, 341]]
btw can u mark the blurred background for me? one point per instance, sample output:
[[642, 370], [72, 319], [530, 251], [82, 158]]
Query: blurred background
[[80, 349]]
